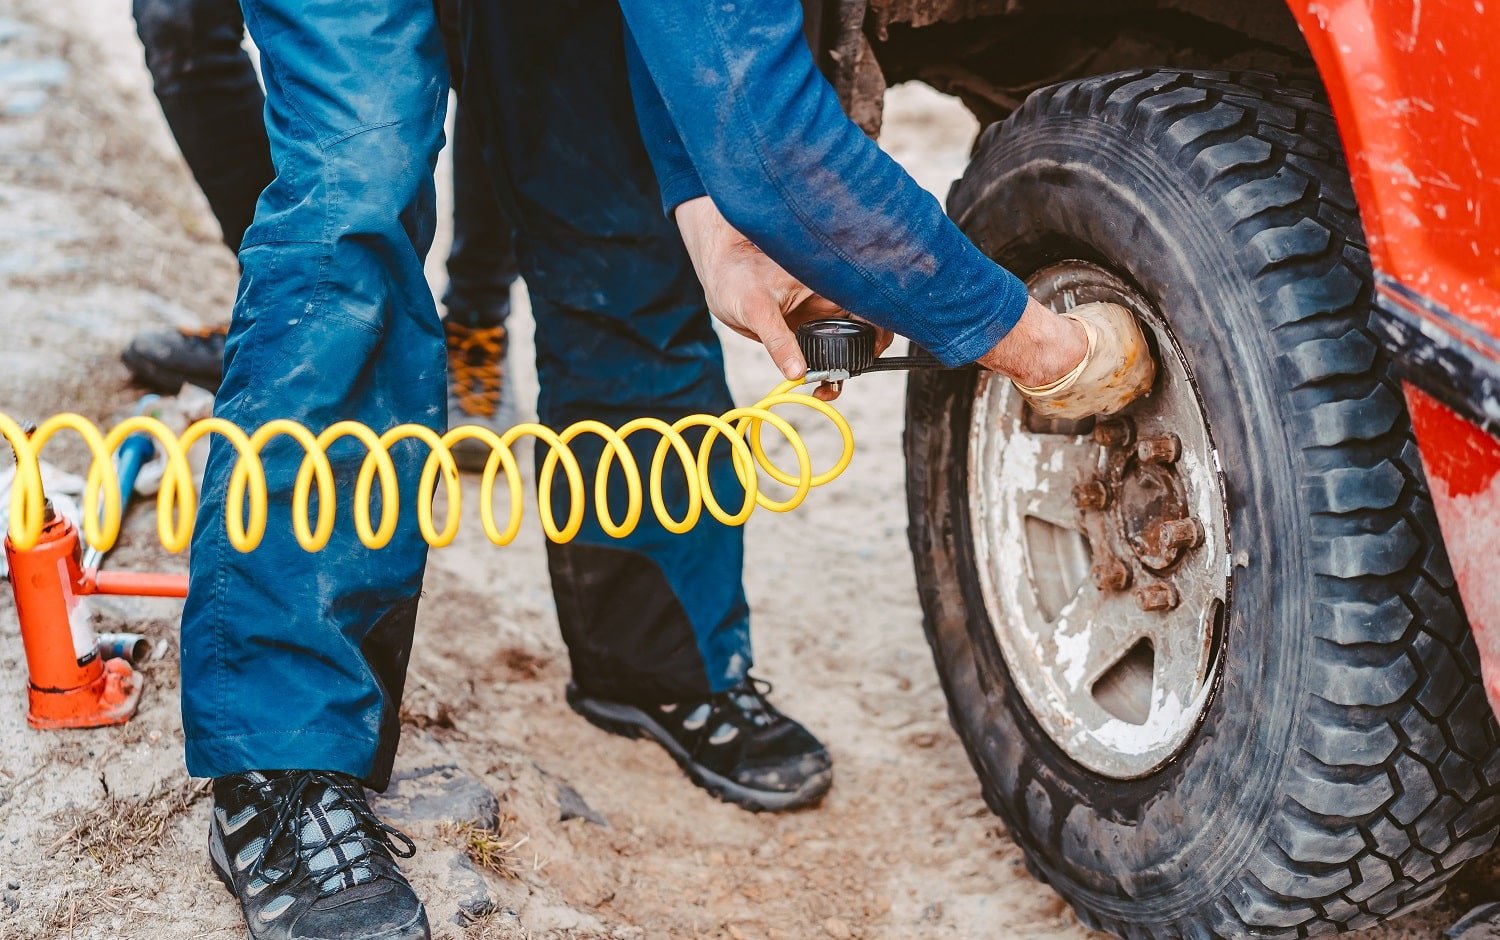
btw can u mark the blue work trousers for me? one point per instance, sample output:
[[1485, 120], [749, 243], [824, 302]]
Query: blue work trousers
[[294, 660], [213, 104]]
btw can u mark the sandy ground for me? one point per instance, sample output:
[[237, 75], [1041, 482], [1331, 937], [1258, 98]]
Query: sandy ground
[[102, 233]]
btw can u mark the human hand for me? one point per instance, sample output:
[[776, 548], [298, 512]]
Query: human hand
[[750, 293]]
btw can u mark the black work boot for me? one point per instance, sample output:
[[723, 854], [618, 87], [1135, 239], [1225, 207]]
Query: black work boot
[[734, 744], [308, 859], [162, 360]]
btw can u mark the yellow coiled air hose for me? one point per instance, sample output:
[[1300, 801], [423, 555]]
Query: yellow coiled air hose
[[177, 499]]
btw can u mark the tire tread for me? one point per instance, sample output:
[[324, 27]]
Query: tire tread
[[1396, 782]]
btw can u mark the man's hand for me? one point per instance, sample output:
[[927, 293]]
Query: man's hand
[[748, 291]]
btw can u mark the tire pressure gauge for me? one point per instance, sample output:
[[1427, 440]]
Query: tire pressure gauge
[[837, 349]]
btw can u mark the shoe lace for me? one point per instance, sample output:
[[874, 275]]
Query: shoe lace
[[293, 793], [475, 356], [748, 701]]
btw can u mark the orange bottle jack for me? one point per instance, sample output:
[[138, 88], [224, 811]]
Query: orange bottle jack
[[71, 686]]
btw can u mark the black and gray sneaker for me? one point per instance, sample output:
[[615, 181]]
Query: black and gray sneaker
[[162, 360], [734, 744], [309, 860]]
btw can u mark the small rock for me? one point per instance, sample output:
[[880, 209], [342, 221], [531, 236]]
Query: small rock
[[837, 929], [10, 29], [923, 739], [13, 885], [32, 73], [435, 795], [572, 805], [26, 102], [12, 903], [473, 891], [1482, 923]]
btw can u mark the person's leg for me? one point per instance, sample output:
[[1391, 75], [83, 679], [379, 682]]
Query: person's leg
[[481, 270], [653, 619], [622, 331], [482, 259], [212, 102], [294, 660], [293, 663]]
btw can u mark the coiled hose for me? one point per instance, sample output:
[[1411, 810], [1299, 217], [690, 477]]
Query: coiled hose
[[177, 499]]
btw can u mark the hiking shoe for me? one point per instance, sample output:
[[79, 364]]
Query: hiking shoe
[[734, 744], [309, 860], [479, 386], [162, 360], [1116, 370]]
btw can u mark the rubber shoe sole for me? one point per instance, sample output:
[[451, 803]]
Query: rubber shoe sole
[[152, 376], [627, 721], [147, 374], [416, 930]]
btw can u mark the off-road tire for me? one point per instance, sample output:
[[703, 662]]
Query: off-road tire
[[1346, 764]]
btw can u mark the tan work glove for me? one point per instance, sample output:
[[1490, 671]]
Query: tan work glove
[[1116, 370]]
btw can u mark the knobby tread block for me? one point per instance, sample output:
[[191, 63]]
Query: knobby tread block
[[1351, 489]]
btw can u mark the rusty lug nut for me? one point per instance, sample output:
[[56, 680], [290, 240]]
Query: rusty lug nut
[[1180, 533], [1164, 449], [1091, 494], [1160, 596], [1111, 574], [1114, 433]]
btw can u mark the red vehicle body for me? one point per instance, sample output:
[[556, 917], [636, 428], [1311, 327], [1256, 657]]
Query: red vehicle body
[[1409, 81]]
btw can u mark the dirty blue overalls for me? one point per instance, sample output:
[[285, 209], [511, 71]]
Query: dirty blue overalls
[[296, 661]]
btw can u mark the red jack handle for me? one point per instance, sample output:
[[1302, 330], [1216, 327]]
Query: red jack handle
[[132, 584]]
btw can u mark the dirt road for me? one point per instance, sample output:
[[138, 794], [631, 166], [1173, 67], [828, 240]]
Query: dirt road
[[101, 233]]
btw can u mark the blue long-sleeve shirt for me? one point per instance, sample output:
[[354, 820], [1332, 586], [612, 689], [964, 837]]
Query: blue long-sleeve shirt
[[731, 105]]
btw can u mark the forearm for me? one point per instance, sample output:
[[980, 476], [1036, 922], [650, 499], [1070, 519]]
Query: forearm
[[791, 172]]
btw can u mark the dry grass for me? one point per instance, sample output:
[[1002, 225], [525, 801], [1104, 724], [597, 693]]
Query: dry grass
[[492, 850], [116, 832], [494, 926]]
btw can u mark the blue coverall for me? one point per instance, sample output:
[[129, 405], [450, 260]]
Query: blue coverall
[[296, 661]]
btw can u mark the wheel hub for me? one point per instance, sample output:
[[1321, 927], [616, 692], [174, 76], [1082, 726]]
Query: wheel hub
[[1151, 517], [1103, 550]]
